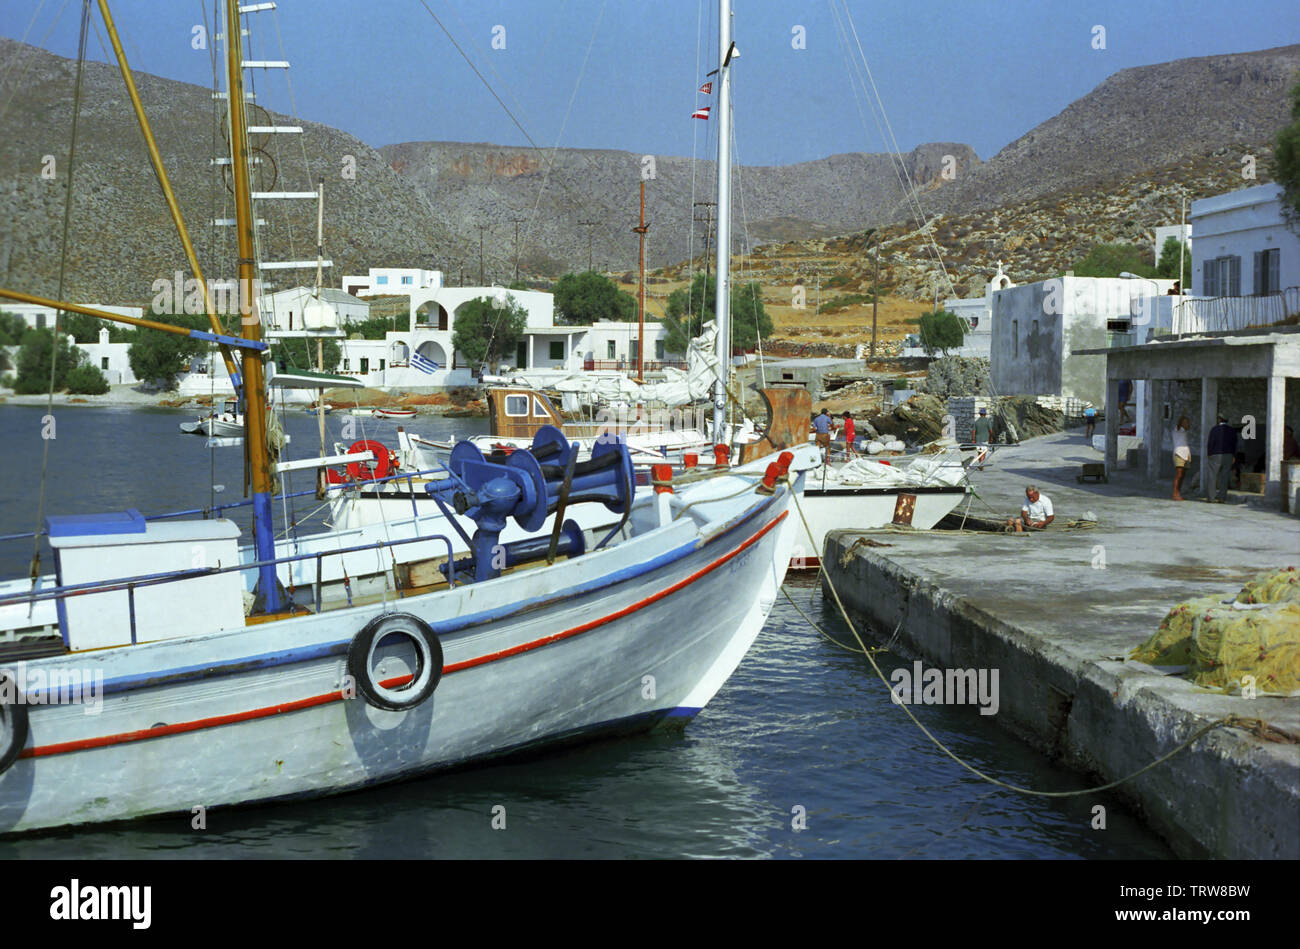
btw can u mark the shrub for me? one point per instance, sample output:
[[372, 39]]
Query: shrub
[[86, 380]]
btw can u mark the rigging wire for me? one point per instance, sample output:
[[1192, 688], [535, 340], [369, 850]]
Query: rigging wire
[[63, 266], [31, 60]]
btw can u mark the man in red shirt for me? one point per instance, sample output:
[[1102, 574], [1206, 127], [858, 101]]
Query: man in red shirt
[[850, 434]]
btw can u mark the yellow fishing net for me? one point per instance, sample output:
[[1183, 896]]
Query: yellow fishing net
[[1257, 636], [1282, 586]]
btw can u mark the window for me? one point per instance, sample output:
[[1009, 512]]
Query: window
[[365, 365], [1221, 277], [636, 349], [659, 350], [613, 353], [557, 349], [103, 362], [516, 406], [345, 364], [381, 280], [405, 281], [539, 410], [381, 365], [521, 355], [1268, 271]]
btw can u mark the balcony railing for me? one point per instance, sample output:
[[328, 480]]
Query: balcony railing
[[624, 365], [1229, 314]]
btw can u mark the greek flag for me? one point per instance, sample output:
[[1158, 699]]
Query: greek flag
[[423, 363]]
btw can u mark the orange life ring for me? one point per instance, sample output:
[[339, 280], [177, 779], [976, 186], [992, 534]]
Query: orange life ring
[[359, 470]]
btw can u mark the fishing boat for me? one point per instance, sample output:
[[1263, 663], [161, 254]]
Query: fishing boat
[[304, 665], [228, 423]]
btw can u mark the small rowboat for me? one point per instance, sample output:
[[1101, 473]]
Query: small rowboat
[[394, 413]]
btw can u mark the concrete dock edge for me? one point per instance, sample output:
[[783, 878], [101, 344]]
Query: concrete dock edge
[[1229, 795]]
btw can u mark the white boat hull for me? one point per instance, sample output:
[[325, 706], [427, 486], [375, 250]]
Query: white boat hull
[[534, 657], [866, 509]]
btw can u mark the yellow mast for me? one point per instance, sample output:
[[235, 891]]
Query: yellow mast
[[250, 322]]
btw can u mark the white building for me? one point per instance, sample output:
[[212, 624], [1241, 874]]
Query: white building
[[1243, 246], [431, 323], [112, 359], [382, 280], [1176, 231], [283, 310], [978, 314], [42, 317]]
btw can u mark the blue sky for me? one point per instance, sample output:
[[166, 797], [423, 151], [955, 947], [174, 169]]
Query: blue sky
[[973, 72]]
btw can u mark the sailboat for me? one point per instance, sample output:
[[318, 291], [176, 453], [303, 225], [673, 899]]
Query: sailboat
[[163, 666]]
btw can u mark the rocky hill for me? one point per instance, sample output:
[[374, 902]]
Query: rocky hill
[[1139, 120], [121, 237], [492, 186], [1111, 166]]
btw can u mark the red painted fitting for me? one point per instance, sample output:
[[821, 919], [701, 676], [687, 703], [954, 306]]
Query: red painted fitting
[[770, 477], [720, 454], [662, 478], [783, 461], [690, 459]]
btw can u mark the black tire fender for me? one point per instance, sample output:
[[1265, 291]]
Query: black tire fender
[[13, 722], [428, 655]]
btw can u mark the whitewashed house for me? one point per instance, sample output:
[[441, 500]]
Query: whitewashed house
[[978, 314], [385, 280], [283, 310]]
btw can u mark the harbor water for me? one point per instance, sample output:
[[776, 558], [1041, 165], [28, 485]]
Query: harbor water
[[802, 753]]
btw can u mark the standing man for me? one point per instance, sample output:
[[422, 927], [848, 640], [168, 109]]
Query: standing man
[[822, 426], [982, 436], [1222, 448], [1090, 419]]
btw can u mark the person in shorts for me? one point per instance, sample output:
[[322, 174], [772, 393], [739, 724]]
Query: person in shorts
[[982, 435], [1090, 420], [1182, 454], [822, 427]]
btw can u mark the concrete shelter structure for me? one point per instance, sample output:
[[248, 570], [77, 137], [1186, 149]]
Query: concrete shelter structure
[[1252, 376]]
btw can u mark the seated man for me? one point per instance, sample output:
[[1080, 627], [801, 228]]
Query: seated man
[[1036, 513]]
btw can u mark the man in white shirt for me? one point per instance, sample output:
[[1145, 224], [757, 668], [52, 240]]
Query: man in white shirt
[[1036, 513]]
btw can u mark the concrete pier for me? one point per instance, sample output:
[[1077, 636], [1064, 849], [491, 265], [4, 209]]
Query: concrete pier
[[1056, 612]]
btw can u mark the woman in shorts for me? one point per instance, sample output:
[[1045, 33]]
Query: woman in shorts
[[1182, 454]]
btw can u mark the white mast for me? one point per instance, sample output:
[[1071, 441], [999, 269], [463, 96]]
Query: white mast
[[722, 301]]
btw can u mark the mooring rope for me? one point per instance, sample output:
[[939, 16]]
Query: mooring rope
[[1231, 720]]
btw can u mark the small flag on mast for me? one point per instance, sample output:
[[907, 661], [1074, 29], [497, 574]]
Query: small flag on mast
[[707, 88], [701, 113]]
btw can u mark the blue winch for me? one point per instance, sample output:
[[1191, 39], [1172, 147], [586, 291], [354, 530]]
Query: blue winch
[[529, 484]]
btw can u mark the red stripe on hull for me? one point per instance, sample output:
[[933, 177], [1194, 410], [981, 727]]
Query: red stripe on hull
[[316, 700]]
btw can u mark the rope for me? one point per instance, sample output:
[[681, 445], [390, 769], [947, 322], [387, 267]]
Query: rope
[[1231, 720]]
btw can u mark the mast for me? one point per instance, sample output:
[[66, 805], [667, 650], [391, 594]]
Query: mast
[[250, 322], [722, 300], [640, 309]]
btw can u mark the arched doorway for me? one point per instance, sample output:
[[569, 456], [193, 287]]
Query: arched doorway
[[434, 353], [399, 354], [432, 315]]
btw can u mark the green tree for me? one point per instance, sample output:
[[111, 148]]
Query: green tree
[[485, 329], [1110, 260], [582, 299], [1169, 261], [941, 331], [300, 353], [33, 363], [1286, 162], [12, 328], [687, 311], [85, 329], [86, 380], [160, 357]]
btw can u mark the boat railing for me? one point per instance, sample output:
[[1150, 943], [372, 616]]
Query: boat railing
[[218, 509], [131, 584]]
